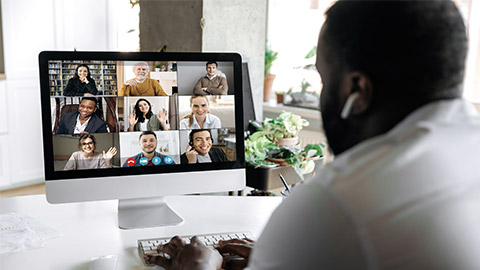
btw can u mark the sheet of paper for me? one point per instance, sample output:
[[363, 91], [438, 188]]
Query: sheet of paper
[[21, 232]]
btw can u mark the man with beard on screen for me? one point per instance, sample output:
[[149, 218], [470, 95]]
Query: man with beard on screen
[[141, 85], [403, 191], [149, 156]]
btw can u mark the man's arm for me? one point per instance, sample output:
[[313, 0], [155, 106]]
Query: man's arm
[[197, 90], [158, 89], [222, 88], [123, 91], [62, 125]]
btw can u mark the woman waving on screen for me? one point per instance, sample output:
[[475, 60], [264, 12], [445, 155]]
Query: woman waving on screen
[[87, 158], [143, 119]]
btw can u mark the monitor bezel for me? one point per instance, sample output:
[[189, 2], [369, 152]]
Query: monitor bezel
[[51, 174]]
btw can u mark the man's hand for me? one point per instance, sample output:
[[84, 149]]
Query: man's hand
[[205, 90], [175, 255], [239, 247], [191, 154], [88, 95], [131, 82]]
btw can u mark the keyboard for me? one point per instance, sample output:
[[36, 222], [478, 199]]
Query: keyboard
[[149, 246]]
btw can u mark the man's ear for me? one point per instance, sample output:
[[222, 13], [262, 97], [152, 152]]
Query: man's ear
[[360, 83]]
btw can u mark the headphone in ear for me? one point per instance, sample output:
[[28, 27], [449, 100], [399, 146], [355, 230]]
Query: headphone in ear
[[347, 109], [190, 136]]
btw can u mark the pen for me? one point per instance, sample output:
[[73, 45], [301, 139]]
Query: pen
[[284, 182]]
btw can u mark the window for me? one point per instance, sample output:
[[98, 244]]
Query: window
[[293, 28]]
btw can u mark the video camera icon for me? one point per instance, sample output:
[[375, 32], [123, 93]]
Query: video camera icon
[[143, 161]]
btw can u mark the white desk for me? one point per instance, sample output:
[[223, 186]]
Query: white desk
[[90, 229]]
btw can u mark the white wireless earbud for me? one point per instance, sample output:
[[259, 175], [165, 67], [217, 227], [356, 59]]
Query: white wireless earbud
[[347, 109]]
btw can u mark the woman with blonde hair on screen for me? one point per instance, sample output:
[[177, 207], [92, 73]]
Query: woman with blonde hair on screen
[[200, 118]]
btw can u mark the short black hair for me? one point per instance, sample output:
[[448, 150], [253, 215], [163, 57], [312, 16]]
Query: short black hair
[[148, 132], [405, 47], [211, 62], [190, 136], [91, 99]]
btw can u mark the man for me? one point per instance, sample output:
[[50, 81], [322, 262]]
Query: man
[[141, 85], [82, 121], [148, 156], [199, 149], [404, 189], [212, 83]]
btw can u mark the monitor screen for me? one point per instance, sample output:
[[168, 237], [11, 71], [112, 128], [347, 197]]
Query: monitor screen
[[140, 125]]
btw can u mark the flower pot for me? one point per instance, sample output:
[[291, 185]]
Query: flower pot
[[280, 98], [267, 86], [287, 142], [279, 161]]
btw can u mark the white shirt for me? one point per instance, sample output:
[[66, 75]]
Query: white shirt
[[79, 128], [408, 199], [211, 121], [204, 159]]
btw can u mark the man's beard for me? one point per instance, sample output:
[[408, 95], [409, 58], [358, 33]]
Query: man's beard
[[150, 152], [342, 134]]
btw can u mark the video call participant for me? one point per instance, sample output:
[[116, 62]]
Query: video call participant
[[200, 118], [87, 158], [81, 84], [143, 119], [212, 83], [392, 109], [149, 156], [141, 85], [84, 120], [199, 149]]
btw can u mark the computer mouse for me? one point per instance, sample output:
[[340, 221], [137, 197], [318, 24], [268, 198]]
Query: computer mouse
[[107, 262]]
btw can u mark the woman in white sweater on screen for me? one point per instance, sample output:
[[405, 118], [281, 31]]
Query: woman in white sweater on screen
[[200, 118]]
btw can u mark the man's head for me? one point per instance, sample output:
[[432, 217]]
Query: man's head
[[141, 70], [397, 55], [211, 68], [87, 107], [201, 140], [148, 142]]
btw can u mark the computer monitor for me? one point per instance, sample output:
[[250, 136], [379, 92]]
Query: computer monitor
[[139, 126]]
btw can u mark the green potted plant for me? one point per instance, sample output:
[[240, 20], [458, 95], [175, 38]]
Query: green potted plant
[[265, 148], [279, 95], [270, 56]]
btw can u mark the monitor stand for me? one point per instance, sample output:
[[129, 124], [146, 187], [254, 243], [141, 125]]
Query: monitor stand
[[146, 212]]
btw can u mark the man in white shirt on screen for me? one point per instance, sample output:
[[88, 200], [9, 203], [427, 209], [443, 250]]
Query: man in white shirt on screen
[[404, 189]]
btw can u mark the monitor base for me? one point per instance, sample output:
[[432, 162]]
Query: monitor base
[[146, 212]]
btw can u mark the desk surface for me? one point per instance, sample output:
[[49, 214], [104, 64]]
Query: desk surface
[[90, 229]]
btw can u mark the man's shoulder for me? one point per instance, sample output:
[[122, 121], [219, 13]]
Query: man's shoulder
[[70, 115], [151, 81], [137, 156], [97, 118], [157, 154]]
